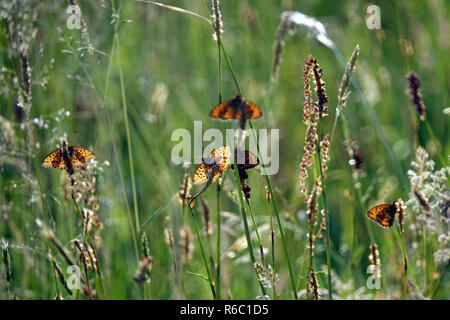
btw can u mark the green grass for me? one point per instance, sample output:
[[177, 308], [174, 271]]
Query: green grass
[[111, 95]]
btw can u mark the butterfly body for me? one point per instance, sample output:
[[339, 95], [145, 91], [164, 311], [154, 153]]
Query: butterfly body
[[245, 160], [67, 158], [383, 214]]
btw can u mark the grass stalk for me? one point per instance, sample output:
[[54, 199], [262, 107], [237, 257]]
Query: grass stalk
[[218, 251], [97, 271], [205, 261], [277, 215], [258, 238], [405, 263], [244, 219], [436, 143], [272, 239], [376, 123], [102, 102], [327, 219], [127, 132]]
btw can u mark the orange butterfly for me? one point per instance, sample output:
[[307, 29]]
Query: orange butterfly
[[235, 108], [217, 162], [67, 158], [383, 214]]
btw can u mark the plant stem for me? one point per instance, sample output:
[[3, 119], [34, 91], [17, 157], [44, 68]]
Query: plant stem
[[376, 123], [218, 251], [92, 244], [277, 215], [272, 238], [205, 262], [127, 131], [228, 61], [261, 249], [327, 220], [102, 102], [405, 263], [436, 143]]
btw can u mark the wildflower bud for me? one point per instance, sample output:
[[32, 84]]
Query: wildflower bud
[[186, 244], [217, 16], [416, 95], [374, 259], [142, 271], [400, 205], [185, 189], [268, 195], [314, 284], [168, 233], [325, 154], [262, 275]]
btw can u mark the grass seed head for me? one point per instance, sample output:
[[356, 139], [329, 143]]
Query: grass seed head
[[416, 95], [374, 259], [401, 213], [314, 285], [217, 17], [186, 244]]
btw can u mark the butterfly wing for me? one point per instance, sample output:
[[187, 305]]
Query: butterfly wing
[[54, 160], [217, 162], [383, 214], [253, 111], [222, 153], [246, 160], [201, 174], [251, 160], [221, 157], [80, 155], [224, 110]]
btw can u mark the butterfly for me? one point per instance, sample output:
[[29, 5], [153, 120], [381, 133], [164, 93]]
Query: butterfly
[[217, 162], [383, 214], [245, 160], [67, 158], [234, 108]]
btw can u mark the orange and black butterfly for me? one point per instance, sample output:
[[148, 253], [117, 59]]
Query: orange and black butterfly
[[245, 160], [237, 108], [213, 166], [67, 158], [383, 214]]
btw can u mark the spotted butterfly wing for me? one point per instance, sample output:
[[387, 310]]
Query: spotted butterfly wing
[[383, 214], [231, 109], [253, 111], [201, 174], [80, 155], [54, 160], [221, 157]]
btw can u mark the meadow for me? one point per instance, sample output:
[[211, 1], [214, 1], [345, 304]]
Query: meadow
[[363, 120]]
